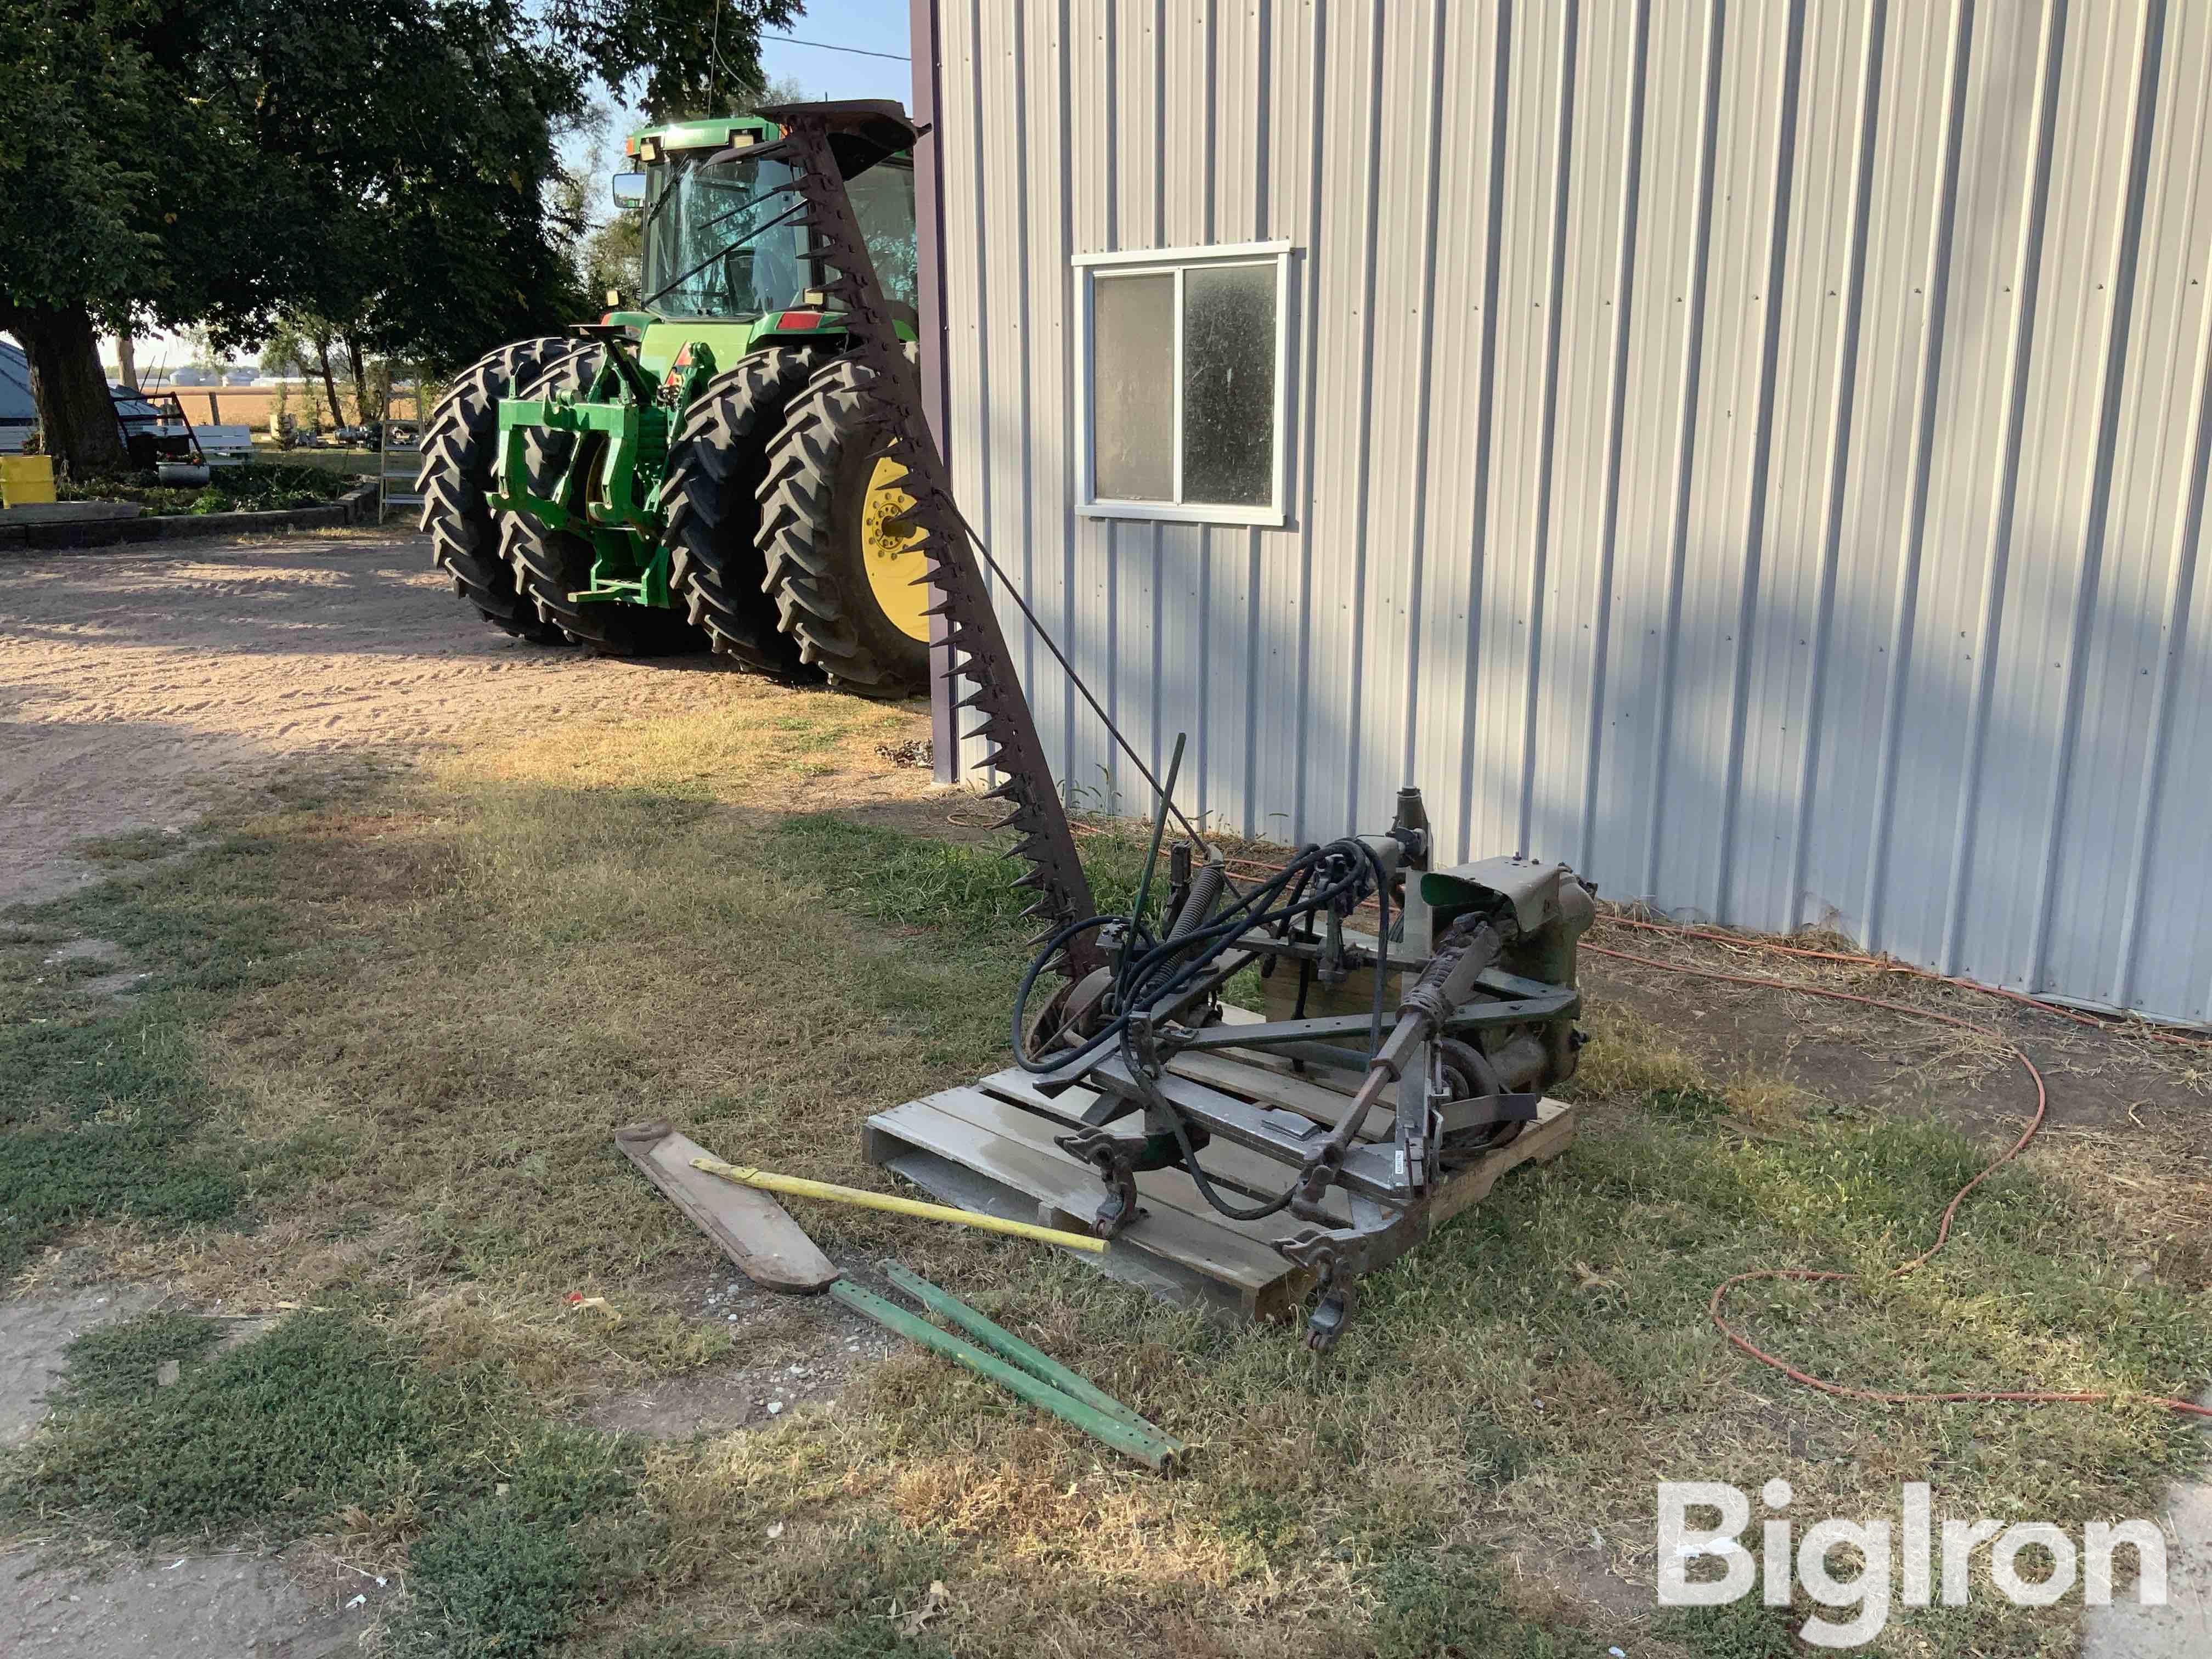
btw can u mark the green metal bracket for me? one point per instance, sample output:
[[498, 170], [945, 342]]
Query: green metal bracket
[[607, 500], [1136, 1439]]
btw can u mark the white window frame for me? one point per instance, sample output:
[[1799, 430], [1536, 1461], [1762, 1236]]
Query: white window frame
[[1089, 268]]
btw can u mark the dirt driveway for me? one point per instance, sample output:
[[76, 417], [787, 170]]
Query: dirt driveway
[[134, 686], [136, 690]]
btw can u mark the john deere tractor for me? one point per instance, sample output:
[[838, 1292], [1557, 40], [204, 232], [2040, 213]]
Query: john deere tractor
[[683, 473]]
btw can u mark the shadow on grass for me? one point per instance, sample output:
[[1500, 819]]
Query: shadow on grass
[[476, 990]]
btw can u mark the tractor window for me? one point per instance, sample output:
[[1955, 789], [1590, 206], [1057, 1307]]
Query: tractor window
[[883, 201], [1183, 383], [705, 246]]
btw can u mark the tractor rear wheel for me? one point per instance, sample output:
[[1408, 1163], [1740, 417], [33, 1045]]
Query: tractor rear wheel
[[549, 565], [716, 466], [837, 557], [459, 447]]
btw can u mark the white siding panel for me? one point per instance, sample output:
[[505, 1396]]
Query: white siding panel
[[1816, 299], [1456, 446], [2157, 283], [1877, 534], [1756, 452], [1504, 447], [1599, 300]]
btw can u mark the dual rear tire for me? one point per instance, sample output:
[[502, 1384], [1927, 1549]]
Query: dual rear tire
[[780, 510], [458, 445], [847, 573], [783, 511]]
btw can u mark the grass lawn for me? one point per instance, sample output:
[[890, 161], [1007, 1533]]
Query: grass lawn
[[369, 1085]]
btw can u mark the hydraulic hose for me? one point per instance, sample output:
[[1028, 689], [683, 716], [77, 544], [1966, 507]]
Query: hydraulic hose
[[1336, 876], [1197, 905], [1152, 975]]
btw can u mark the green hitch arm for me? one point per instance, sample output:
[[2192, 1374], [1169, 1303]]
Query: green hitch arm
[[1154, 1452], [1033, 1360]]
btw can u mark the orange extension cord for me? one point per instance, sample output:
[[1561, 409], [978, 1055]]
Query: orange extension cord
[[1807, 1275]]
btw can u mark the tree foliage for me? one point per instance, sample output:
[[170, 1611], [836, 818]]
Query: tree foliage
[[699, 58], [75, 95], [387, 163]]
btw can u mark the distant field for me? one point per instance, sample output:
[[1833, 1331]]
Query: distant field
[[236, 405], [333, 461], [251, 405]]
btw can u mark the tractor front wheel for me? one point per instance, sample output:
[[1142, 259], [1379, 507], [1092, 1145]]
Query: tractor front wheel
[[551, 565], [459, 456], [837, 556]]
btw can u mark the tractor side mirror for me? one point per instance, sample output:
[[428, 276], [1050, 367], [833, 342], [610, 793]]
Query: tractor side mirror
[[629, 189]]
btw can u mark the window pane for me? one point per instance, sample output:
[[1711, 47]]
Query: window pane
[[707, 256], [883, 201], [1133, 388], [1229, 386]]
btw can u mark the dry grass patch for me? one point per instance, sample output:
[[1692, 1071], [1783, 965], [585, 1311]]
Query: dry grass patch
[[465, 979]]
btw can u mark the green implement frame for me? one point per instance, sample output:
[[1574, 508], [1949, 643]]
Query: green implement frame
[[1024, 1371], [620, 514]]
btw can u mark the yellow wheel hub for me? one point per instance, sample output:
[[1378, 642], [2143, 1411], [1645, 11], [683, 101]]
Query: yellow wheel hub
[[890, 549]]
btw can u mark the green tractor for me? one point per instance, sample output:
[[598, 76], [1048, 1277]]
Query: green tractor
[[683, 474]]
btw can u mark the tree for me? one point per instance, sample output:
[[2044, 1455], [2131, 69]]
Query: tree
[[384, 162], [300, 341], [74, 95], [698, 58]]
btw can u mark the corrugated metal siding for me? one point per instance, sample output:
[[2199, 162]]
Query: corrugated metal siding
[[1755, 453]]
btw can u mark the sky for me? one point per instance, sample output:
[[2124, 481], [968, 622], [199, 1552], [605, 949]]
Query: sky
[[861, 26], [873, 25]]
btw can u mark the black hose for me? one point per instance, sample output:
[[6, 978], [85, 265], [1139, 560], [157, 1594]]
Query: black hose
[[1155, 972], [1155, 975], [1135, 987], [1198, 1177]]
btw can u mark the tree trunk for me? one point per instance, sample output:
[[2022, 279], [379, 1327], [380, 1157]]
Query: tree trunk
[[76, 417], [329, 382], [357, 366], [127, 361]]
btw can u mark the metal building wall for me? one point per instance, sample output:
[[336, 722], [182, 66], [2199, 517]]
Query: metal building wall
[[1754, 451]]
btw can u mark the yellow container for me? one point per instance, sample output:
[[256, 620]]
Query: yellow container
[[26, 478]]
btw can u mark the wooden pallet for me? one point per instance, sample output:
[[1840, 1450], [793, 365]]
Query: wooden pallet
[[1002, 1129]]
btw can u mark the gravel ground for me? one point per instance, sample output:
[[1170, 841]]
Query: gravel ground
[[136, 687]]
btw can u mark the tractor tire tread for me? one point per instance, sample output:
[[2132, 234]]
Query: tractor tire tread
[[457, 461], [711, 508], [800, 538]]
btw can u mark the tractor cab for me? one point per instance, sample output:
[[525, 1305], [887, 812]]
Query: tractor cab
[[720, 240]]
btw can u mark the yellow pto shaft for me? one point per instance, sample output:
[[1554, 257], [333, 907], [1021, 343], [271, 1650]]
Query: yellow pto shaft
[[799, 1187]]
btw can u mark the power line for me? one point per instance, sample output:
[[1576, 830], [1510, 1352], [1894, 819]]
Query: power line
[[824, 45]]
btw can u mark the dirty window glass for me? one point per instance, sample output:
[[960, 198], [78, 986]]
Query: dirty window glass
[[883, 201], [711, 249], [1133, 388], [1183, 387], [1229, 384]]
